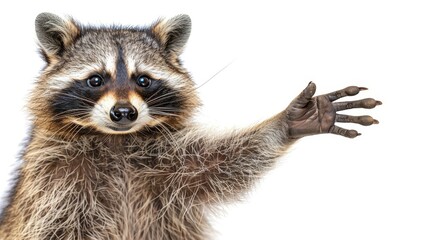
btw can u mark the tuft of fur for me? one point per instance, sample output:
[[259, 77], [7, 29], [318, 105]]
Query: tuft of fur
[[157, 181]]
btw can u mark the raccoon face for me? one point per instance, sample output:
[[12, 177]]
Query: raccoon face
[[113, 80]]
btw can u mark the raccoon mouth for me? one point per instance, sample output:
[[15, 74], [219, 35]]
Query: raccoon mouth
[[120, 128]]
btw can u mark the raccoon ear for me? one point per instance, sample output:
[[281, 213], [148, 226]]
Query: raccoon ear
[[173, 33], [55, 34]]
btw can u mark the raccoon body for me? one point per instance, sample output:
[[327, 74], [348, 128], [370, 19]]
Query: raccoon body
[[113, 153]]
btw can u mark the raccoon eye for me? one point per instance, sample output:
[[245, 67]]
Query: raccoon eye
[[95, 81], [144, 81]]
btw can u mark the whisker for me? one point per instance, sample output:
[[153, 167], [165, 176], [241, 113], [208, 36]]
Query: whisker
[[73, 112], [150, 100], [77, 97], [164, 114], [217, 73], [160, 101], [167, 110]]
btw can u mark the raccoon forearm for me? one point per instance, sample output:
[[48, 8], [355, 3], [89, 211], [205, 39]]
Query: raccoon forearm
[[219, 167]]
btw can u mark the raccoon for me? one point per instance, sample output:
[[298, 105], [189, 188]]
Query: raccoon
[[113, 152]]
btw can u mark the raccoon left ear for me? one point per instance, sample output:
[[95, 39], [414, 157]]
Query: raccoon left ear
[[173, 33], [55, 34]]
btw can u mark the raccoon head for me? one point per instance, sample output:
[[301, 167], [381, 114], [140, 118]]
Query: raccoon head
[[114, 80]]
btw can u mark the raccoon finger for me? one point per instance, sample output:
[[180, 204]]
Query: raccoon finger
[[363, 103], [362, 120], [344, 132], [305, 96], [348, 91]]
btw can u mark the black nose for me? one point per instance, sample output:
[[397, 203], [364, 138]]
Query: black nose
[[123, 113]]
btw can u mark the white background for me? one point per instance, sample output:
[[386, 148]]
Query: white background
[[327, 187]]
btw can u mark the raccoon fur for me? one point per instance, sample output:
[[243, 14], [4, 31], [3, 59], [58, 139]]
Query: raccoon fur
[[113, 152]]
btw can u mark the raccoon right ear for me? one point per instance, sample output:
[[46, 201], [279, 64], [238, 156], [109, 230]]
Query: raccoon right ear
[[55, 34], [173, 33]]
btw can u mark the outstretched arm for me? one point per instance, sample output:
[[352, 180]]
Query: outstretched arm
[[217, 167]]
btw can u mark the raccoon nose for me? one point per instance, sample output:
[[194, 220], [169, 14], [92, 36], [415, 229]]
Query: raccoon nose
[[123, 113]]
